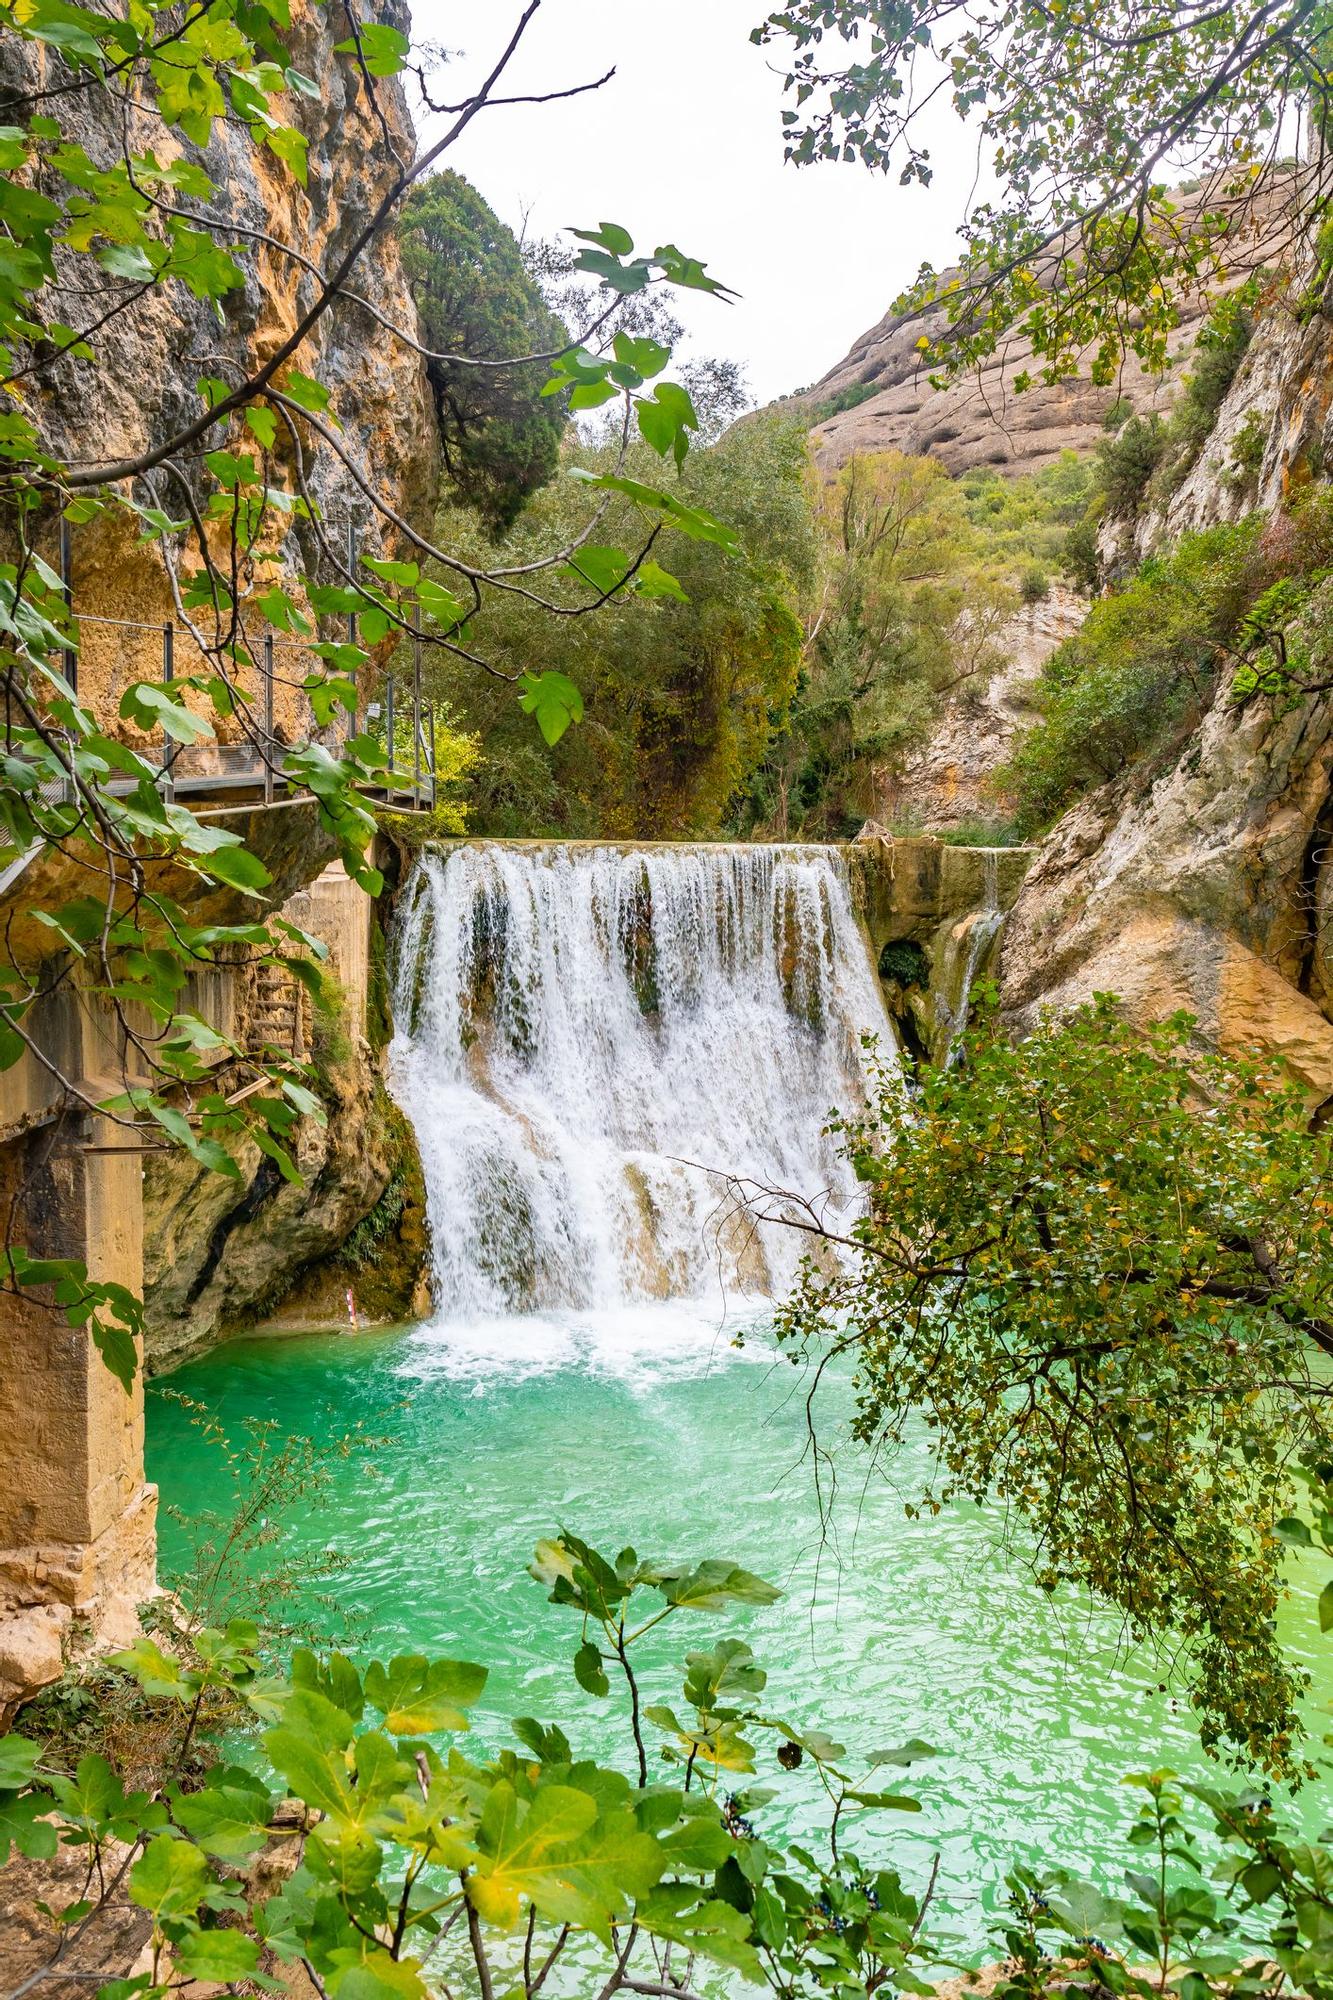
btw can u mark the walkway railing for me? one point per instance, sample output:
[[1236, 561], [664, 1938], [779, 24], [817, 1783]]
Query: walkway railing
[[273, 710]]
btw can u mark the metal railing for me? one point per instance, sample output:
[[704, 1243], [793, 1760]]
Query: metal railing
[[270, 681]]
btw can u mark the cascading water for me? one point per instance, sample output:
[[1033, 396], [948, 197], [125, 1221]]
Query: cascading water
[[591, 1040], [984, 926]]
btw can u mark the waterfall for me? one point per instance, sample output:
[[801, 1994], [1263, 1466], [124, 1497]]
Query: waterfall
[[983, 927], [589, 1040]]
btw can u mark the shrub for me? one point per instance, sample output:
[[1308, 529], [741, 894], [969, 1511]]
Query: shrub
[[1080, 558], [1034, 585], [1247, 449], [904, 960], [1143, 665], [1127, 462], [844, 399]]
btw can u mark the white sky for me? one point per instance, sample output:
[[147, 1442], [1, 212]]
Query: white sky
[[685, 145]]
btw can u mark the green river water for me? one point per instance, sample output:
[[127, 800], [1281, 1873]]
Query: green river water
[[647, 1427]]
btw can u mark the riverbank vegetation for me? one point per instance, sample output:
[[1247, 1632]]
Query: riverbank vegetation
[[1100, 1262], [1242, 605]]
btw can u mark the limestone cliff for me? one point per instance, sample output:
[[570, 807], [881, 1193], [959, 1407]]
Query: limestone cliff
[[947, 781], [142, 385], [889, 404], [879, 396], [1208, 884]]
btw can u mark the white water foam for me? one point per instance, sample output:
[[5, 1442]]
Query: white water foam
[[590, 1041], [637, 1346]]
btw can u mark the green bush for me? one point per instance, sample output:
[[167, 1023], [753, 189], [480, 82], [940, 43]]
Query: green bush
[[1127, 461], [1247, 449], [499, 435], [1143, 666], [1080, 557], [905, 960], [1034, 585], [1218, 353], [844, 399]]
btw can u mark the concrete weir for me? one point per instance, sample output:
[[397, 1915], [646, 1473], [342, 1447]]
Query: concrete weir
[[77, 1519]]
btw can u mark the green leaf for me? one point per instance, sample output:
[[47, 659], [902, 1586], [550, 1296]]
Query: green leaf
[[903, 1754], [238, 868], [1326, 1607], [712, 1585], [18, 1761], [152, 707], [651, 581], [306, 391], [727, 1669], [692, 521], [555, 702], [221, 1955], [886, 1801], [610, 237], [384, 50], [22, 1826], [556, 1852], [666, 420], [415, 1695], [589, 1671], [156, 1672], [406, 573], [170, 1879], [228, 1817]]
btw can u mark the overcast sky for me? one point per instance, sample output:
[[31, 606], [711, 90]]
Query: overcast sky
[[684, 144]]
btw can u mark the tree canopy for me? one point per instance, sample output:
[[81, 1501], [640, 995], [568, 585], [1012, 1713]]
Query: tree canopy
[[1087, 116], [499, 435], [1099, 1262]]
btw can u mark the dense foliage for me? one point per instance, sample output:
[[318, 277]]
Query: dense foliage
[[1137, 675], [905, 613], [1088, 115], [419, 1864], [499, 435], [680, 693], [918, 575], [1105, 1277]]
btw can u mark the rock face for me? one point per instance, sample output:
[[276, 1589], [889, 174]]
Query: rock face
[[142, 385], [1207, 886], [932, 914], [1203, 891], [947, 783], [975, 421], [1273, 433], [223, 1253]]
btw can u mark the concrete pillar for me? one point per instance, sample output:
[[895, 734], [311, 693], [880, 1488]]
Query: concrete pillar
[[77, 1541]]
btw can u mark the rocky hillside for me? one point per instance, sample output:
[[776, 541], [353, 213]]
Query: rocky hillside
[[888, 404], [879, 398], [1209, 885]]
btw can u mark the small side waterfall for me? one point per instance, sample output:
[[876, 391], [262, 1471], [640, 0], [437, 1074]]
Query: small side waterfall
[[590, 1040], [983, 927]]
